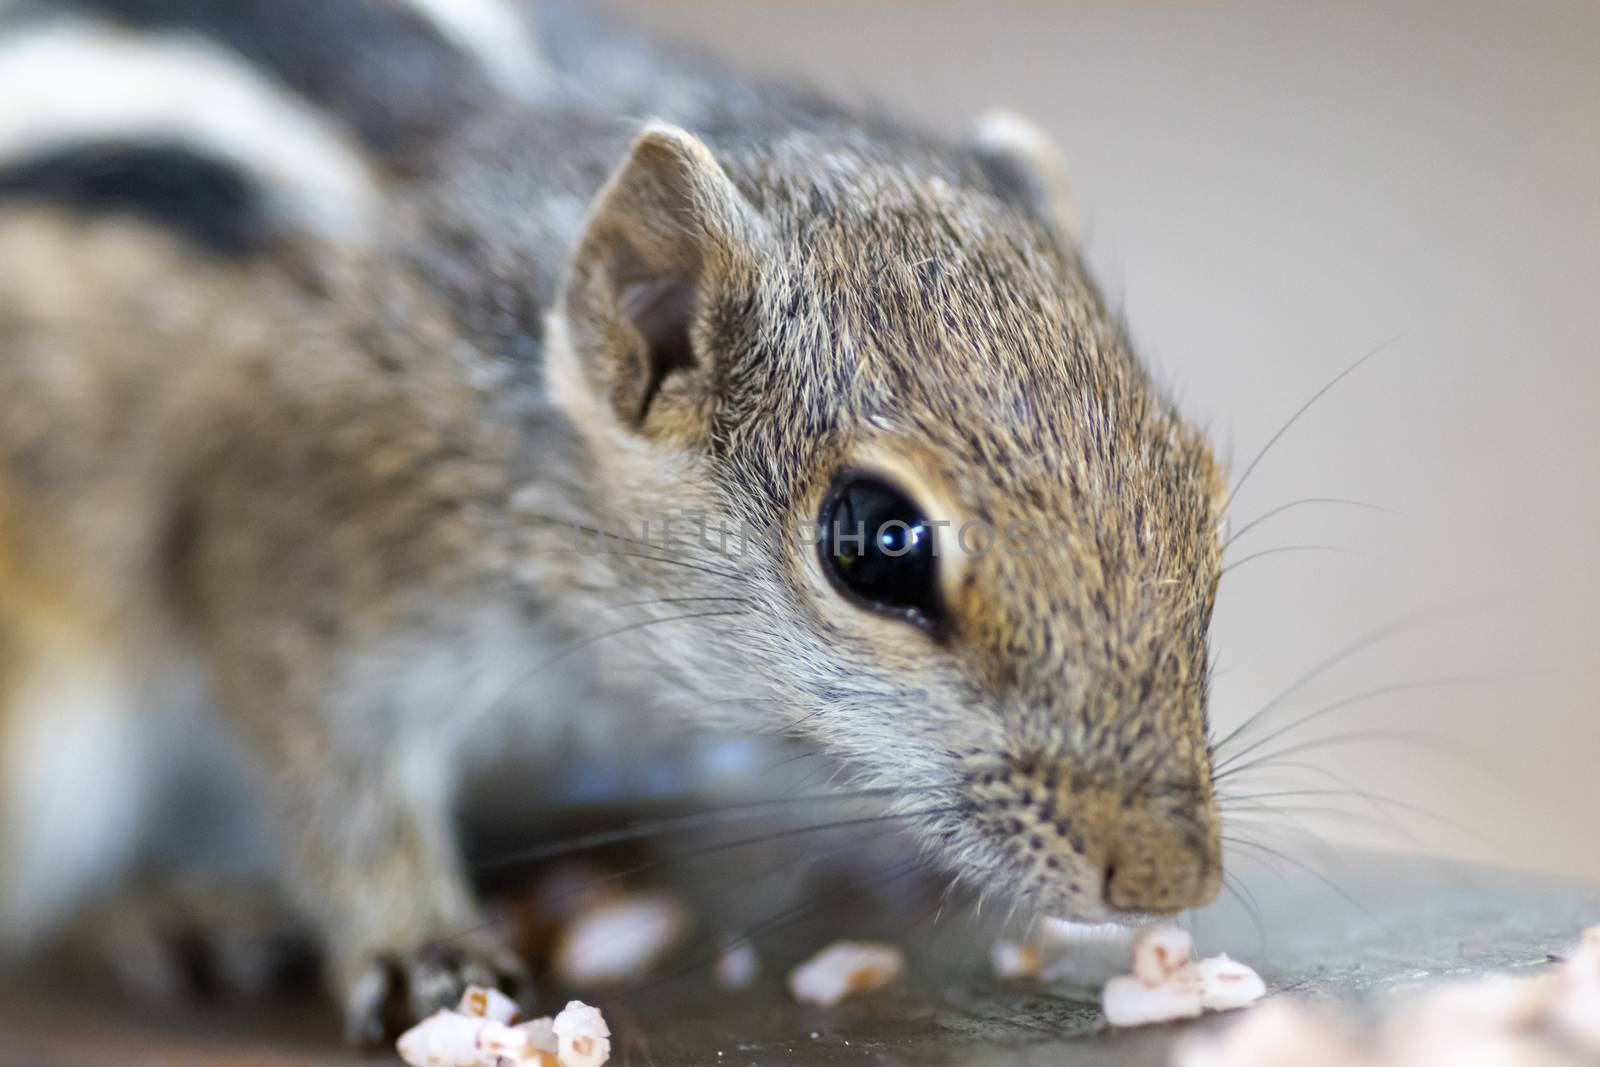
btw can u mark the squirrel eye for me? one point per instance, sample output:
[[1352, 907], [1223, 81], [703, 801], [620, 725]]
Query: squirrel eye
[[878, 549]]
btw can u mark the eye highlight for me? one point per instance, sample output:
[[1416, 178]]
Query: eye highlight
[[877, 548]]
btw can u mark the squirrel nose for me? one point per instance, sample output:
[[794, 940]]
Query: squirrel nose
[[1156, 865]]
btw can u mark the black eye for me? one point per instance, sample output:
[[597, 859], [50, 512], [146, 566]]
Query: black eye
[[878, 548]]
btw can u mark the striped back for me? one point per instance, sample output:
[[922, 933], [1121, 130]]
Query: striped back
[[231, 121]]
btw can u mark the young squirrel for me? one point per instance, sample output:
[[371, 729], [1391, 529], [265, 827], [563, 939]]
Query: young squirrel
[[303, 399]]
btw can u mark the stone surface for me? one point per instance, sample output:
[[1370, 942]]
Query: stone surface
[[1389, 923]]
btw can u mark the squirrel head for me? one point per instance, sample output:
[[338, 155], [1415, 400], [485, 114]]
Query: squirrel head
[[933, 515]]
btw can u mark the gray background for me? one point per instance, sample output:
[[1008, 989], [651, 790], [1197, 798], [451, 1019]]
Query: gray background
[[1271, 190]]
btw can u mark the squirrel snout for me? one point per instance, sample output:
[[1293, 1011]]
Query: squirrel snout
[[1159, 863], [1097, 848]]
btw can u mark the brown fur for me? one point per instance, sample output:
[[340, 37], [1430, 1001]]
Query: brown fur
[[939, 328]]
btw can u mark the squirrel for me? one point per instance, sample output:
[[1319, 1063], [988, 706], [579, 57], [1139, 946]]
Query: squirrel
[[320, 347]]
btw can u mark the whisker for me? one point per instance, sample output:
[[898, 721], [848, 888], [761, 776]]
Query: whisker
[[787, 917], [614, 534], [965, 907], [672, 562], [1247, 900], [1281, 549], [769, 768], [676, 559], [630, 627], [1304, 502], [678, 858], [1263, 815], [821, 772], [1301, 410], [699, 820], [801, 720], [1286, 824], [1419, 685], [901, 935], [595, 639], [1279, 771], [1379, 802], [1353, 737], [744, 882], [1267, 859], [467, 722], [1309, 869], [673, 600], [1288, 765], [1360, 644]]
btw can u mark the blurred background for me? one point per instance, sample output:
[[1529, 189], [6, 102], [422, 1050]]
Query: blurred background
[[1271, 191]]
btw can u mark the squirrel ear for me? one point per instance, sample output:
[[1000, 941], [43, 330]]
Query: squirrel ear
[[1026, 168], [668, 230]]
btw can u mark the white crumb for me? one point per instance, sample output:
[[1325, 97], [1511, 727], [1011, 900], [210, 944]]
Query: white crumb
[[582, 1037], [737, 966], [1274, 1035], [1016, 959], [481, 1034], [844, 968], [488, 1004], [1544, 1020], [1576, 1011], [1496, 1002], [1060, 950], [1226, 984], [541, 1034], [1167, 984], [1160, 953], [449, 1039], [620, 938], [1127, 1001]]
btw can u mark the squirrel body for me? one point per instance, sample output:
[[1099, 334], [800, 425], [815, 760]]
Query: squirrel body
[[323, 489]]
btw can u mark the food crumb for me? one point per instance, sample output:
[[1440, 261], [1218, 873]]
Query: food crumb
[[1545, 1020], [582, 1037], [1275, 1035], [1127, 1001], [1013, 959], [1160, 953], [845, 968], [619, 938], [1167, 984], [489, 1004], [1226, 984], [480, 1032], [738, 966]]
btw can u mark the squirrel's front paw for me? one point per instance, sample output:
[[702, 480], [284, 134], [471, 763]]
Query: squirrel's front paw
[[394, 989]]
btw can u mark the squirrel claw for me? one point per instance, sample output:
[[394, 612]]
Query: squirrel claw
[[397, 989]]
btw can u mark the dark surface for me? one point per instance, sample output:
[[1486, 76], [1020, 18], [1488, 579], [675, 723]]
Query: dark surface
[[1388, 924]]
